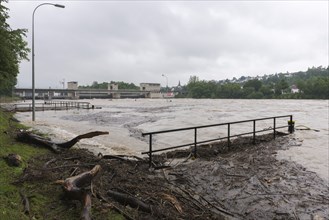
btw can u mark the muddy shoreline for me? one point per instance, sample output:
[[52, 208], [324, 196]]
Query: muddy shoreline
[[251, 183], [245, 181]]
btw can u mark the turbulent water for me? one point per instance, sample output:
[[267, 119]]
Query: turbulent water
[[126, 119]]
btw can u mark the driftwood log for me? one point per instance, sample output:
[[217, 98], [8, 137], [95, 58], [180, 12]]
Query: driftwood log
[[74, 188], [133, 202], [28, 137]]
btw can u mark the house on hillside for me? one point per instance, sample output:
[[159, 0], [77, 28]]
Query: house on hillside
[[294, 89]]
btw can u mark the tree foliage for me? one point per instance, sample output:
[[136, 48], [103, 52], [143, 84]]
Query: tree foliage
[[13, 49], [104, 85], [313, 84]]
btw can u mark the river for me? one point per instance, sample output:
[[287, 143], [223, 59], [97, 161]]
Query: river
[[126, 119]]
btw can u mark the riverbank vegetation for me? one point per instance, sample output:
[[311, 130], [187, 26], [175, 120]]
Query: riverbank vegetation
[[311, 84], [46, 199], [10, 206], [13, 49], [104, 85]]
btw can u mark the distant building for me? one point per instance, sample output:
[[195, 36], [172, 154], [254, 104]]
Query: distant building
[[72, 85], [113, 86], [294, 89], [153, 88]]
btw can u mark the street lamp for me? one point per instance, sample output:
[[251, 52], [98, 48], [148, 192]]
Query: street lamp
[[33, 84], [166, 80]]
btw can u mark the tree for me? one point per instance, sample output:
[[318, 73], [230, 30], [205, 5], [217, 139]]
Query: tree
[[255, 83], [13, 49], [281, 86]]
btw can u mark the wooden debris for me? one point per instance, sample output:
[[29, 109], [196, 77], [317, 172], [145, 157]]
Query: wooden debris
[[25, 203], [74, 189], [28, 137], [129, 200], [173, 200]]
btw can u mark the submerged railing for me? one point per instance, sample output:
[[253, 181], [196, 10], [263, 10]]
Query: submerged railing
[[52, 105], [290, 127]]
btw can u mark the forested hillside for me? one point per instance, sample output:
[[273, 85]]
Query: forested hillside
[[311, 84]]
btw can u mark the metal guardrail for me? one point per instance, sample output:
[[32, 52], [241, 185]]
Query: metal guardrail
[[228, 137], [52, 105]]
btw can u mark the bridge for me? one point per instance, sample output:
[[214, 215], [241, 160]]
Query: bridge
[[82, 93]]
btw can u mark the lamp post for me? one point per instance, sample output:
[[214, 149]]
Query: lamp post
[[33, 81], [166, 80]]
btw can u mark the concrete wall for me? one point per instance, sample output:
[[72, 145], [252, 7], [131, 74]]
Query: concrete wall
[[72, 85], [113, 86], [154, 89]]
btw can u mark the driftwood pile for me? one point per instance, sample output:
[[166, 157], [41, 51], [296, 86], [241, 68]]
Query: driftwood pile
[[118, 182], [244, 182]]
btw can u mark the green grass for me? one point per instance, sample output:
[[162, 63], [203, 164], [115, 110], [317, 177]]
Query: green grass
[[45, 198], [10, 202]]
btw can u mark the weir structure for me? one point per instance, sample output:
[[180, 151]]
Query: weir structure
[[73, 91], [290, 127]]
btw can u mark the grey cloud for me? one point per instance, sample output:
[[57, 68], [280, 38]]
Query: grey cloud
[[139, 41]]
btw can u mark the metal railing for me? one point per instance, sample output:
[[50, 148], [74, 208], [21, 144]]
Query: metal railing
[[228, 137], [52, 105]]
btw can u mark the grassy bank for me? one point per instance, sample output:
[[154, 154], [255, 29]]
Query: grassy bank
[[46, 199], [10, 205]]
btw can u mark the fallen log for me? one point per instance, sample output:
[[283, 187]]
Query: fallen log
[[28, 137], [133, 202], [25, 202], [120, 157], [74, 188]]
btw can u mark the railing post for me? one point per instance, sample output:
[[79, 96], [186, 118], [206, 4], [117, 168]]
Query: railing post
[[228, 134], [150, 151], [254, 132], [195, 141], [291, 125], [274, 129]]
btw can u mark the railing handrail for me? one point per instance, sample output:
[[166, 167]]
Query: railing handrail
[[228, 137], [57, 105], [211, 125]]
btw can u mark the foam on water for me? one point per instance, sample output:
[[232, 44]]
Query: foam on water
[[126, 119]]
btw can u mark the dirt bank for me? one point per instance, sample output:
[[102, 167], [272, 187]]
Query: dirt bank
[[243, 182]]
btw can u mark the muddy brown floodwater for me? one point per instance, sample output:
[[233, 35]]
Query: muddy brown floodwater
[[244, 181]]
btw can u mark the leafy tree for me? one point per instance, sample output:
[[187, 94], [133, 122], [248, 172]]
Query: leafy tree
[[281, 87], [267, 91], [123, 85], [230, 90], [317, 87], [104, 85], [254, 83], [13, 49]]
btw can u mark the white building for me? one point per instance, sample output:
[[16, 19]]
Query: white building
[[294, 89]]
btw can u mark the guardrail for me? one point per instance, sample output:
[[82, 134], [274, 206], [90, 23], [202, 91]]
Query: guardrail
[[290, 127], [52, 105]]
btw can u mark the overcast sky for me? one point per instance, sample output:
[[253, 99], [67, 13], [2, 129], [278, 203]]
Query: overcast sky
[[138, 41]]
